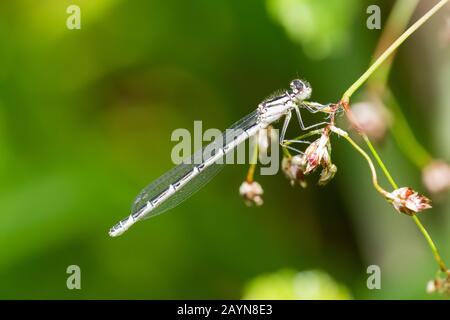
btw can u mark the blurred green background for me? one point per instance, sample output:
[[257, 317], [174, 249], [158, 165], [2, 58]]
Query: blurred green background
[[85, 123]]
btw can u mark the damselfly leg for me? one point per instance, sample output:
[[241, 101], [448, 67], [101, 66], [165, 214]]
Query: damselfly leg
[[287, 119], [315, 107], [312, 107], [300, 121], [287, 145]]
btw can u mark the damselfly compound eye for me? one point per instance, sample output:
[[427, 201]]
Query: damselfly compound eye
[[297, 85], [301, 90]]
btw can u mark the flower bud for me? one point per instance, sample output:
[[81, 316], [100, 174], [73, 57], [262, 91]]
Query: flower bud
[[327, 174], [408, 201], [293, 168], [439, 285], [317, 154], [445, 286], [251, 192]]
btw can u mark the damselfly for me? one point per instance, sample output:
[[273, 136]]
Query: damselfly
[[182, 181]]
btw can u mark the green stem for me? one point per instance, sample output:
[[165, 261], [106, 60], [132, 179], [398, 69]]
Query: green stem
[[433, 247], [389, 51], [286, 152], [306, 135], [365, 155], [380, 162], [253, 162], [401, 131], [422, 229], [396, 23]]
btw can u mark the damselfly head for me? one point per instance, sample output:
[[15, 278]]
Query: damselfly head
[[301, 90]]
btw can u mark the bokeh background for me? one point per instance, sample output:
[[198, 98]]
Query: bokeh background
[[85, 123]]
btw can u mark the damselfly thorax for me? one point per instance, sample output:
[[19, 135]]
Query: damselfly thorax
[[277, 106]]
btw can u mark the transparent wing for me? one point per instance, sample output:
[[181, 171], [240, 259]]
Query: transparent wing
[[171, 177]]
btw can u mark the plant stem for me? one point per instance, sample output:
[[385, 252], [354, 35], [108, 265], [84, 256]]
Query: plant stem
[[433, 247], [422, 229], [386, 54], [286, 152], [380, 162], [253, 162], [306, 135], [377, 84], [345, 135], [396, 23]]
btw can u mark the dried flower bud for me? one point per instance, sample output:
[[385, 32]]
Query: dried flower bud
[[265, 138], [293, 168], [444, 286], [436, 176], [372, 117], [408, 201], [251, 192], [317, 154], [439, 285], [327, 174]]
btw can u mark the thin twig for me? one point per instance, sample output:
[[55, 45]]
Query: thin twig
[[253, 162], [422, 229], [389, 51], [380, 162], [396, 23], [377, 84], [345, 135]]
